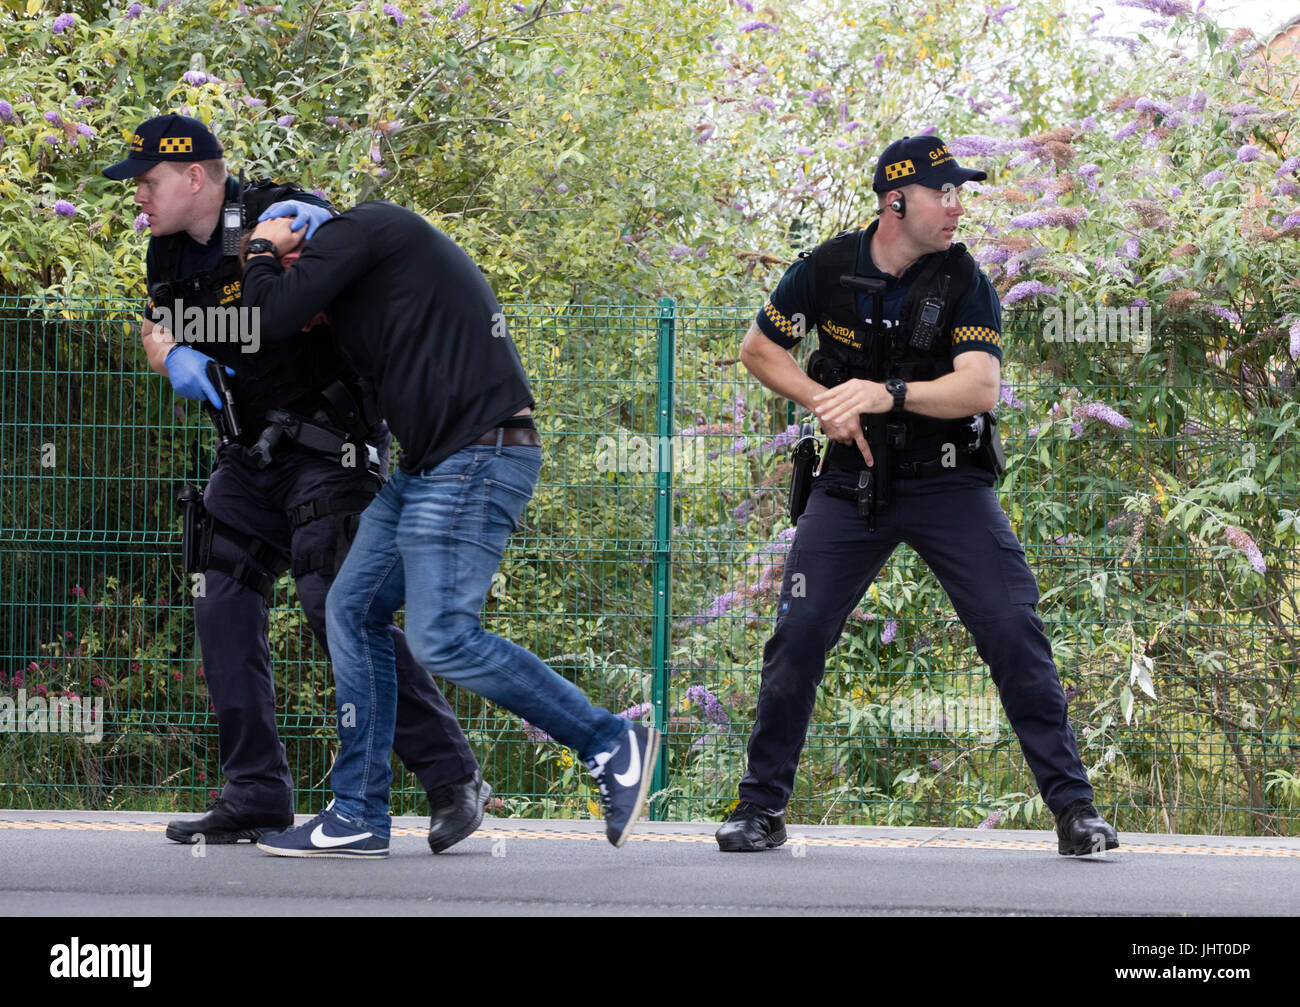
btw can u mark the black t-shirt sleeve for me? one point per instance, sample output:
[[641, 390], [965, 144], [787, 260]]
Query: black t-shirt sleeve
[[289, 299], [977, 325], [788, 313]]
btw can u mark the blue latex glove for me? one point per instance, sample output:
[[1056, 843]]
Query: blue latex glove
[[307, 215], [185, 368]]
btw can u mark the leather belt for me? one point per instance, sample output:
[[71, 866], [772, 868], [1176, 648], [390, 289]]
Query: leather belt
[[924, 469], [512, 436], [929, 467]]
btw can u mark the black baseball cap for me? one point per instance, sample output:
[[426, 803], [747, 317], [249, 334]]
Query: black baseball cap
[[921, 160], [165, 138]]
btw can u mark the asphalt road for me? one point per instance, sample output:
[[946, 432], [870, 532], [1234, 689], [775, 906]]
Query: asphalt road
[[101, 864]]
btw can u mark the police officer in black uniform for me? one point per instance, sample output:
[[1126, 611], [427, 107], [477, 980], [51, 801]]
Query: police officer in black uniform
[[302, 452], [904, 383]]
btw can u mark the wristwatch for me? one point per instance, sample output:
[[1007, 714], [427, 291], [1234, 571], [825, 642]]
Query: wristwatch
[[260, 246], [897, 387]]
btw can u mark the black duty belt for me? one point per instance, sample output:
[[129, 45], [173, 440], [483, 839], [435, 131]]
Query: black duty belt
[[930, 466], [922, 469]]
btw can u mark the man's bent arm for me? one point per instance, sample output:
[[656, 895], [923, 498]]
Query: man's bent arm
[[971, 388], [289, 299], [158, 343], [776, 369]]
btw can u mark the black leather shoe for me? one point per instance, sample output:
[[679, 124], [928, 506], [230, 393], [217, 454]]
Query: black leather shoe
[[750, 829], [456, 810], [222, 825], [1080, 830]]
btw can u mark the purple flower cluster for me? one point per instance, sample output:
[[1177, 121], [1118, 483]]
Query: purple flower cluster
[[195, 77], [1009, 398], [1210, 177], [1104, 413], [62, 23], [63, 208], [1166, 8], [1238, 539], [975, 145], [132, 12], [1028, 288], [782, 440], [1219, 311], [1249, 152], [1052, 216], [141, 223], [1124, 132], [889, 632], [460, 11], [1288, 166], [1130, 248], [717, 608], [285, 120], [713, 711], [992, 821], [756, 25], [637, 713]]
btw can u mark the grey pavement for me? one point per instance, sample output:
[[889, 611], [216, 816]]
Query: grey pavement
[[64, 863]]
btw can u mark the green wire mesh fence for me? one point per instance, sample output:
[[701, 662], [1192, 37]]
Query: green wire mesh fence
[[1153, 483]]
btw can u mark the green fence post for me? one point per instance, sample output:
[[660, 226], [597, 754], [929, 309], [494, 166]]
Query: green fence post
[[663, 535]]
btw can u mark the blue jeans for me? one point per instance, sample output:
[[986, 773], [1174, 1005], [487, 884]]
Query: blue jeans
[[432, 542]]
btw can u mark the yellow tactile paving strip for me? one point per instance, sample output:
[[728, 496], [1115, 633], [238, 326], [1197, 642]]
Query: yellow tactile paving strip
[[882, 842]]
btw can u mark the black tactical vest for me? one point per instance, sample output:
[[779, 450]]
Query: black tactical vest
[[844, 340], [288, 374]]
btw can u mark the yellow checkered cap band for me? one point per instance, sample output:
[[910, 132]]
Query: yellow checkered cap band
[[786, 327], [898, 170], [175, 145], [976, 334]]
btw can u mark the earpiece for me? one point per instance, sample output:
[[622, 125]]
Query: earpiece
[[899, 205]]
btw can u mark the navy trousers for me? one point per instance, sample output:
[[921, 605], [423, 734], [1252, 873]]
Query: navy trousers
[[232, 624], [956, 525]]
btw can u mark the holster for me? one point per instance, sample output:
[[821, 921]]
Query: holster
[[986, 451], [805, 462], [196, 531]]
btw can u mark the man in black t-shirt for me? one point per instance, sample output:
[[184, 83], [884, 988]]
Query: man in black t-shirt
[[287, 506], [418, 320]]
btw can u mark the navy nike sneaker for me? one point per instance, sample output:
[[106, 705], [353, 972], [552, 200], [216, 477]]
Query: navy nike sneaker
[[329, 834], [623, 776]]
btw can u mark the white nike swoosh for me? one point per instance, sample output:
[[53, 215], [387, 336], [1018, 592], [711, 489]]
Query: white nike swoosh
[[322, 841], [634, 767]]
